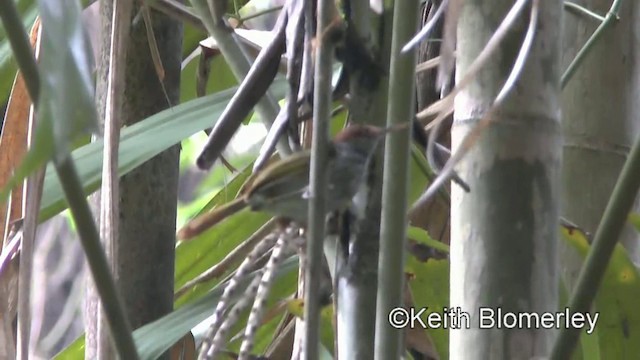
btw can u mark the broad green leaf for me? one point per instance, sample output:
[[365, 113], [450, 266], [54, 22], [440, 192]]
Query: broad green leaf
[[65, 66], [8, 67], [66, 106], [190, 40], [422, 236], [618, 325], [634, 219], [220, 77], [139, 143], [199, 254], [421, 174], [429, 284], [231, 189], [296, 307], [157, 337]]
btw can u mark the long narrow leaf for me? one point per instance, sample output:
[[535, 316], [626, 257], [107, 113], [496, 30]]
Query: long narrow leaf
[[8, 68], [157, 337], [140, 143]]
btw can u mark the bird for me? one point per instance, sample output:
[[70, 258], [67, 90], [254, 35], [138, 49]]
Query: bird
[[282, 188]]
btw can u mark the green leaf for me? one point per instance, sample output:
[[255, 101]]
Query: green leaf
[[139, 143], [634, 219], [422, 236], [65, 65], [421, 173], [220, 77], [8, 67], [202, 252], [157, 337], [618, 325], [66, 106], [296, 307], [429, 284]]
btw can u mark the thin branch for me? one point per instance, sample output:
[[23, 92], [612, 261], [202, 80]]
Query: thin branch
[[153, 49], [241, 20], [90, 240], [110, 190], [177, 11], [426, 30], [429, 64], [518, 65], [580, 10], [33, 197], [612, 15]]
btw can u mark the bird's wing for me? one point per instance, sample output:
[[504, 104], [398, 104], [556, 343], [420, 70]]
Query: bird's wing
[[272, 176]]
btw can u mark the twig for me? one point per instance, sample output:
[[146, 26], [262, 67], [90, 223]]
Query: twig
[[612, 15], [426, 30], [267, 107], [241, 20], [153, 49], [90, 240], [177, 11], [580, 10]]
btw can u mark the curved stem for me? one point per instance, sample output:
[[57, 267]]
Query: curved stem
[[612, 15]]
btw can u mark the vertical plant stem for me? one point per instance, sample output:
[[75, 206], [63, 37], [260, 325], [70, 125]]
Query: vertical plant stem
[[100, 271], [110, 193], [27, 247], [318, 180], [396, 181]]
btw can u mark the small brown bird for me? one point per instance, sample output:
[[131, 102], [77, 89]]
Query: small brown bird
[[282, 188]]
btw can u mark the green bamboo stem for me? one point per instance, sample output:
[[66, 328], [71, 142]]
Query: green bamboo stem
[[318, 182], [395, 184]]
